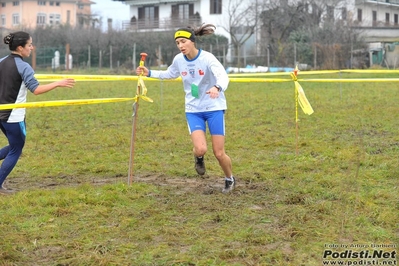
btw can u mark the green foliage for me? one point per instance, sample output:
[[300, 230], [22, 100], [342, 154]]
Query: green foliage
[[334, 183], [303, 46]]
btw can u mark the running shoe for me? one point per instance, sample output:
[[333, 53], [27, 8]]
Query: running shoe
[[229, 184], [200, 165]]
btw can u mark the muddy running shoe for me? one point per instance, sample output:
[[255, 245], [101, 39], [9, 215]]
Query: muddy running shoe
[[229, 184], [4, 190], [200, 165]]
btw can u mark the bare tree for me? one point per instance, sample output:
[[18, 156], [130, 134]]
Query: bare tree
[[334, 38], [241, 25], [319, 27], [279, 20]]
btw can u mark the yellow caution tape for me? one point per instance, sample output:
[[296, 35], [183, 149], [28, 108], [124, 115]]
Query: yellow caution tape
[[258, 80], [303, 101], [61, 103], [300, 95], [53, 77], [283, 73], [352, 80], [143, 97], [141, 91]]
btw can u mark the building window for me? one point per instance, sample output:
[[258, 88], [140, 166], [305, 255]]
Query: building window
[[149, 13], [51, 3], [15, 3], [41, 3], [15, 19], [54, 19], [41, 19], [216, 7], [3, 20], [80, 6], [57, 3], [68, 16], [359, 15], [395, 19], [149, 17], [3, 4], [182, 13], [374, 16], [387, 18]]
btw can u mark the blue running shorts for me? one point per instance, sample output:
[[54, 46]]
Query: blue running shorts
[[215, 120]]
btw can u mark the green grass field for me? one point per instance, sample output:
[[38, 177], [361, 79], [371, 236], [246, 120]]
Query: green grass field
[[336, 186]]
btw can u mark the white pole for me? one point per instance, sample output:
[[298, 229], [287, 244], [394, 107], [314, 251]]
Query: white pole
[[100, 62]]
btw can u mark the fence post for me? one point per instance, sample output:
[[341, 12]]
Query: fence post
[[110, 57], [34, 57], [100, 62], [67, 57], [89, 57]]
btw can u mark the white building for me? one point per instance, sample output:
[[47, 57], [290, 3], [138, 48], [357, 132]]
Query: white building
[[378, 23], [154, 15], [161, 15], [378, 20]]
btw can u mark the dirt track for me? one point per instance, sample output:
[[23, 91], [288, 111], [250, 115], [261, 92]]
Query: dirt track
[[204, 185]]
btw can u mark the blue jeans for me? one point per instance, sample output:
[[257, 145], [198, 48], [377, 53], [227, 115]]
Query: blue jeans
[[16, 134]]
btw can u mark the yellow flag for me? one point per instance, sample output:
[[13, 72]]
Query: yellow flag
[[303, 101]]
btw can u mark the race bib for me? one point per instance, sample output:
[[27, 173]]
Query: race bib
[[194, 91]]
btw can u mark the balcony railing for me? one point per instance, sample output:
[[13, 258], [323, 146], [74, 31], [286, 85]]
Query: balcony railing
[[385, 2], [159, 24]]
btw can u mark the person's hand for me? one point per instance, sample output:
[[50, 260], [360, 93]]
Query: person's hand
[[67, 83], [142, 70], [213, 92]]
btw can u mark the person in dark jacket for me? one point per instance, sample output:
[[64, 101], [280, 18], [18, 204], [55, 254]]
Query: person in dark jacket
[[16, 79]]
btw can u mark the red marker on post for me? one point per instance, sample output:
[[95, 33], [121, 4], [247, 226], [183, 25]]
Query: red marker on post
[[296, 70]]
